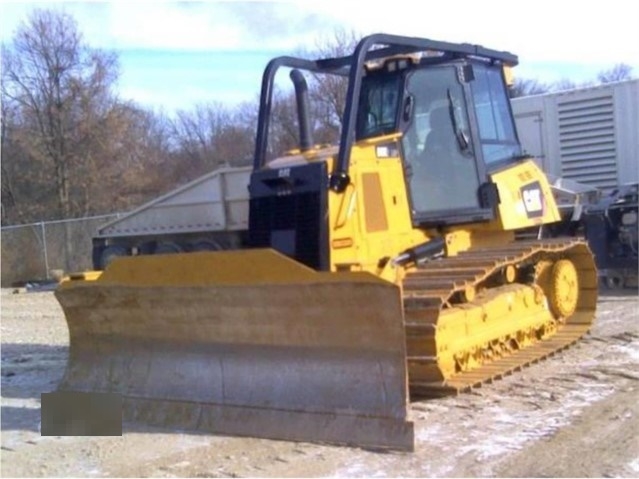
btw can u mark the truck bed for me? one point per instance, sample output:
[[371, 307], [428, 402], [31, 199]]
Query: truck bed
[[217, 201]]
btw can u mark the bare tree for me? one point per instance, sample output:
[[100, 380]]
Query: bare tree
[[212, 135], [328, 92], [25, 193], [619, 72], [70, 147], [527, 87], [129, 161], [6, 190], [61, 91], [566, 84], [284, 127]]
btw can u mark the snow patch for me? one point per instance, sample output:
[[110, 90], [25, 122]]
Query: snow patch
[[26, 403], [629, 350], [530, 425], [508, 429], [359, 469], [428, 433]]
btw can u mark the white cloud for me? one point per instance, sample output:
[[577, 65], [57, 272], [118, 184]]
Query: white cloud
[[554, 39], [171, 26], [544, 30]]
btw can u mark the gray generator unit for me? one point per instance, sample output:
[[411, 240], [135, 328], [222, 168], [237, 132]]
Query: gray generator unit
[[590, 135]]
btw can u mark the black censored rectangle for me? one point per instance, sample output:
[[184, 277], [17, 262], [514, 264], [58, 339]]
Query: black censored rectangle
[[71, 413]]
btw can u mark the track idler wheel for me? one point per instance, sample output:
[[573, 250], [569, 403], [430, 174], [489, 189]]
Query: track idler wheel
[[564, 288]]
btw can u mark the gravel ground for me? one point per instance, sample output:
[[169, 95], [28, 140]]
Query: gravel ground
[[574, 415]]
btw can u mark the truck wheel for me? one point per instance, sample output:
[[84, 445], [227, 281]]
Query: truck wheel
[[206, 245], [110, 253], [168, 247], [614, 281]]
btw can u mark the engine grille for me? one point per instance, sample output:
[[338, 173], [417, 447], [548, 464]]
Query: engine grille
[[290, 215]]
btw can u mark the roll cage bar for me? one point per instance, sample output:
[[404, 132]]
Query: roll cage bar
[[387, 45]]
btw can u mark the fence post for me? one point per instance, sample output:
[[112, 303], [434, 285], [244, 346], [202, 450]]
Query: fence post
[[44, 248]]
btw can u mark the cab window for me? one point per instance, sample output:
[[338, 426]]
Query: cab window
[[442, 172], [377, 113], [496, 128]]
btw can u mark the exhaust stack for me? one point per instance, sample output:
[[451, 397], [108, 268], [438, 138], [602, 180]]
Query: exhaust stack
[[303, 117]]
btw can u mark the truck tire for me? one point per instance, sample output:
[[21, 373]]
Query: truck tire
[[168, 247], [614, 281], [206, 245]]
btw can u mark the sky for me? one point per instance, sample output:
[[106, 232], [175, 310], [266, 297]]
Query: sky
[[174, 55]]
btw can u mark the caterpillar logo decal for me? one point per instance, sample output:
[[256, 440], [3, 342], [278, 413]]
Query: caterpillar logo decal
[[533, 199]]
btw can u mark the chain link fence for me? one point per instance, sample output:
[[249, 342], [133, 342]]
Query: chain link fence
[[40, 251]]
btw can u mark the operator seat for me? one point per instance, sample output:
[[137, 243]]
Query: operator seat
[[440, 141], [450, 169]]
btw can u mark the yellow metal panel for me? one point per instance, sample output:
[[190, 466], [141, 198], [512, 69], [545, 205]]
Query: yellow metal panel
[[525, 197], [374, 207], [373, 211]]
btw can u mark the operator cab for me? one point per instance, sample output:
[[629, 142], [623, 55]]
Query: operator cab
[[456, 124], [442, 109]]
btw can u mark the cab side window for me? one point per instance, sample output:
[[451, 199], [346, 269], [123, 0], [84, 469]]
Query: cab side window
[[496, 127]]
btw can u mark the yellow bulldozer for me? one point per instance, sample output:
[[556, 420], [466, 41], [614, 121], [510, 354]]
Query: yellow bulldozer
[[378, 270]]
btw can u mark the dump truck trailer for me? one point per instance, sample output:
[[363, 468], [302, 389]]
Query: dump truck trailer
[[377, 270], [209, 213]]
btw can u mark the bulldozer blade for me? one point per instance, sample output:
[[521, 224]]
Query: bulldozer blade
[[245, 343]]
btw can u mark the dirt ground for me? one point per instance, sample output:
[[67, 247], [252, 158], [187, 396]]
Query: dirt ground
[[574, 415]]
